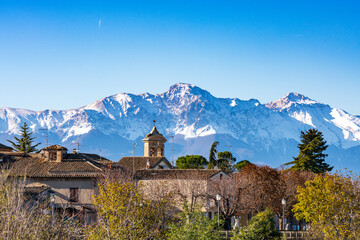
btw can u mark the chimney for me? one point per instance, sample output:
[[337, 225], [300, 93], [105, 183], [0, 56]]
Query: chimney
[[148, 164], [74, 151]]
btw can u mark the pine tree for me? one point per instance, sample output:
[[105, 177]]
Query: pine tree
[[25, 143], [225, 161], [191, 162], [240, 165], [212, 156], [311, 156]]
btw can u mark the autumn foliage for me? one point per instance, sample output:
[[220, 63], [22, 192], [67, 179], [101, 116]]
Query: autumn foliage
[[331, 204]]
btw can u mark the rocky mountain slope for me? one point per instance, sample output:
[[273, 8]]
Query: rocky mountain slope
[[262, 133]]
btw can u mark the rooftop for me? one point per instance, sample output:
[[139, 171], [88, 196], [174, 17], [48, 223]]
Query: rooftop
[[196, 174], [73, 165], [139, 163]]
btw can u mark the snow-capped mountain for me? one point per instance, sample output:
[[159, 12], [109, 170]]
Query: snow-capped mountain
[[262, 133]]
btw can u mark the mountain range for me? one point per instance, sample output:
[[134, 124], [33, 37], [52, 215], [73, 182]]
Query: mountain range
[[191, 119]]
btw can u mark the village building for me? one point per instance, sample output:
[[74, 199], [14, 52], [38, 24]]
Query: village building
[[192, 185], [4, 148], [154, 154], [153, 172], [68, 180]]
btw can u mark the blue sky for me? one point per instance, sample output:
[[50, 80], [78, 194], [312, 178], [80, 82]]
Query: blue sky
[[57, 54]]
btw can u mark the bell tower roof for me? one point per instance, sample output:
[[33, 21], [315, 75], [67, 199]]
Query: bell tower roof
[[154, 143], [154, 132]]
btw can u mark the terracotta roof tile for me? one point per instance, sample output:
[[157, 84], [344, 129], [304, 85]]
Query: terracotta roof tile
[[55, 147], [138, 163], [35, 189], [34, 165], [2, 146], [176, 173]]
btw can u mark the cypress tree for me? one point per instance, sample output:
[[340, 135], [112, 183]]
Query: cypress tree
[[212, 156], [25, 142], [311, 153]]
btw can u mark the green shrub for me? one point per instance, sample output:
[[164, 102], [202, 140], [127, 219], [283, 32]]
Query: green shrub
[[260, 227], [195, 226]]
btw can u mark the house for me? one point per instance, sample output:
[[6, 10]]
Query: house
[[4, 148], [192, 185], [68, 179], [157, 177], [154, 149]]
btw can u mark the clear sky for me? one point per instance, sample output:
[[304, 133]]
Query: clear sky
[[66, 54]]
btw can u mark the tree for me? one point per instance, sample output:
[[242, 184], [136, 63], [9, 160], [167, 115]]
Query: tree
[[229, 188], [292, 180], [193, 225], [240, 165], [331, 204], [25, 143], [191, 162], [260, 227], [311, 156], [212, 156], [262, 188], [225, 161], [24, 217], [125, 213]]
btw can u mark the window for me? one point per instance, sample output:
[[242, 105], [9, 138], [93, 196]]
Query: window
[[210, 215], [52, 156], [74, 195]]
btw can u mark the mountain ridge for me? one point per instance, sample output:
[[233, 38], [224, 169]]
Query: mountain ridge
[[194, 117]]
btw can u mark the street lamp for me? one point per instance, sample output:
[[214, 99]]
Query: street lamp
[[52, 200], [283, 202], [218, 198]]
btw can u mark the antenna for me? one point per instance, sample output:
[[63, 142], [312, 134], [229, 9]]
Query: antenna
[[173, 138], [77, 144], [46, 135], [172, 151], [100, 153], [230, 146]]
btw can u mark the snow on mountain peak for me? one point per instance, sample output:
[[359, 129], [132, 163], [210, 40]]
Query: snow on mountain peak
[[195, 118], [185, 89], [289, 100]]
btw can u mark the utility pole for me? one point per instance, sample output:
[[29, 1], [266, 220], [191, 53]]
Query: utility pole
[[100, 153], [77, 144], [230, 146], [172, 151], [135, 144]]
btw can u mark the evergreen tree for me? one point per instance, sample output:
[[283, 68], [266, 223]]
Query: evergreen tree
[[212, 156], [25, 143], [311, 153], [191, 162], [225, 161], [240, 165]]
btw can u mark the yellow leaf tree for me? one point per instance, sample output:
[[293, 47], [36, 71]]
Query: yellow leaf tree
[[124, 213], [331, 204]]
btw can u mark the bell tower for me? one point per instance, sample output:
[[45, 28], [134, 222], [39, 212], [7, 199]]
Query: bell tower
[[154, 143]]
